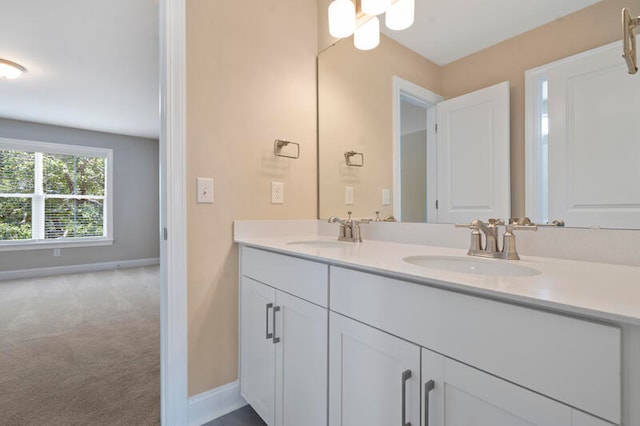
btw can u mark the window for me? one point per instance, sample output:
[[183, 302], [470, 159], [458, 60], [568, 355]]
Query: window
[[52, 194], [537, 145]]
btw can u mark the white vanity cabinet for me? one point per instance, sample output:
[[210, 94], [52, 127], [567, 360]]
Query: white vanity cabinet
[[331, 345], [283, 338], [374, 377], [536, 366]]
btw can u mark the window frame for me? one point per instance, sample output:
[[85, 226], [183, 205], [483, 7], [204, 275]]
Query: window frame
[[65, 149]]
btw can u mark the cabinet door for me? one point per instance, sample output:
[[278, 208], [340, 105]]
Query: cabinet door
[[301, 362], [374, 377], [464, 396], [257, 350]]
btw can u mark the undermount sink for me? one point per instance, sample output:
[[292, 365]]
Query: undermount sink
[[320, 244], [471, 265]]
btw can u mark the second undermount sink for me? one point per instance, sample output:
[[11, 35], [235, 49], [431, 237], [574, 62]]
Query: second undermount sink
[[320, 244], [471, 265]]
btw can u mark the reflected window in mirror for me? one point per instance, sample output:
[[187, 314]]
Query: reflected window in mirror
[[540, 115]]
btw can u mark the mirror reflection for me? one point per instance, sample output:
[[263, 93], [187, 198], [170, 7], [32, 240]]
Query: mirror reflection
[[356, 108]]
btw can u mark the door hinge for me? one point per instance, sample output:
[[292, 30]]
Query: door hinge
[[165, 233], [436, 127], [436, 204]]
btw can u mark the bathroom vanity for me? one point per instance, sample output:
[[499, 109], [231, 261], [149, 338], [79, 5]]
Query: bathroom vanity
[[343, 333]]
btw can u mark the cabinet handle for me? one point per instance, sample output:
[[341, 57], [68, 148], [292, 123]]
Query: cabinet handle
[[406, 375], [275, 339], [269, 335], [428, 387]]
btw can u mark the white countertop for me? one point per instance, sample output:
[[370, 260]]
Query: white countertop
[[597, 290]]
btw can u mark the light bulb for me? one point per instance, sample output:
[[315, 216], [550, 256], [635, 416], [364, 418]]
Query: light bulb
[[400, 15], [10, 70], [375, 7], [342, 18], [367, 36]]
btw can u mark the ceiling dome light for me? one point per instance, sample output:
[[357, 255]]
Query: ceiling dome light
[[342, 18], [400, 15], [375, 7], [367, 36], [10, 70]]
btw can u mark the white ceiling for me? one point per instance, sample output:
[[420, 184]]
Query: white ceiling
[[447, 30], [92, 64]]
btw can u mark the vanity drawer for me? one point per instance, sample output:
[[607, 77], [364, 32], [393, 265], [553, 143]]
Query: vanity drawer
[[302, 278], [574, 361]]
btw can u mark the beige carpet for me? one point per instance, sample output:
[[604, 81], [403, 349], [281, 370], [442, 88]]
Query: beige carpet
[[81, 349]]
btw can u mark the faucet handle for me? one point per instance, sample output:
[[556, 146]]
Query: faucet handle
[[509, 240], [472, 225], [475, 245], [532, 227]]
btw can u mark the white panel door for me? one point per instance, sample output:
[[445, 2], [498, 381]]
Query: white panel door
[[464, 396], [369, 371], [257, 351], [473, 156], [301, 362], [594, 154]]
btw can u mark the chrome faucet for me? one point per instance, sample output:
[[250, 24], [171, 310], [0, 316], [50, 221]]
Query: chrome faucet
[[349, 229], [490, 230]]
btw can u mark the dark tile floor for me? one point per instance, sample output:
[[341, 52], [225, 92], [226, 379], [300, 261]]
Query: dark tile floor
[[244, 416]]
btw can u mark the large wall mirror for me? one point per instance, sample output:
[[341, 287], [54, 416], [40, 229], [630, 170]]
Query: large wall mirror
[[356, 97]]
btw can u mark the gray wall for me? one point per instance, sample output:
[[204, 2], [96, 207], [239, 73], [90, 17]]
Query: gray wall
[[135, 202], [414, 177]]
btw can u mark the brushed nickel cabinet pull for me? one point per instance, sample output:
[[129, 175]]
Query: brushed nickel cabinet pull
[[275, 310], [406, 375], [269, 335], [428, 387]]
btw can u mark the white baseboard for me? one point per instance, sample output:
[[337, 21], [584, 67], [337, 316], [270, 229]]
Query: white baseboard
[[214, 403], [72, 269]]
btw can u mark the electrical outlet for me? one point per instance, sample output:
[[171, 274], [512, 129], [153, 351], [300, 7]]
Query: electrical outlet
[[204, 187], [57, 252], [277, 193], [386, 197], [348, 195]]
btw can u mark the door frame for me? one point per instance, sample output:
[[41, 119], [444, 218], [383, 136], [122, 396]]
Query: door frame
[[402, 87], [173, 245]]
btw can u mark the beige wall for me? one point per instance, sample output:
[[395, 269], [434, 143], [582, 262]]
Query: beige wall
[[355, 95], [251, 78], [591, 27]]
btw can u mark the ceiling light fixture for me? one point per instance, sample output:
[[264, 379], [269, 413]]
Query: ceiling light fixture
[[342, 18], [363, 23], [367, 35], [10, 70]]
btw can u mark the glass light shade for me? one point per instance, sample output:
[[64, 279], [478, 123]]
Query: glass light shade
[[375, 7], [367, 36], [10, 70], [342, 18], [400, 15]]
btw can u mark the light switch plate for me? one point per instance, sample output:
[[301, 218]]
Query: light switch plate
[[205, 190], [277, 193], [348, 195], [386, 197]]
